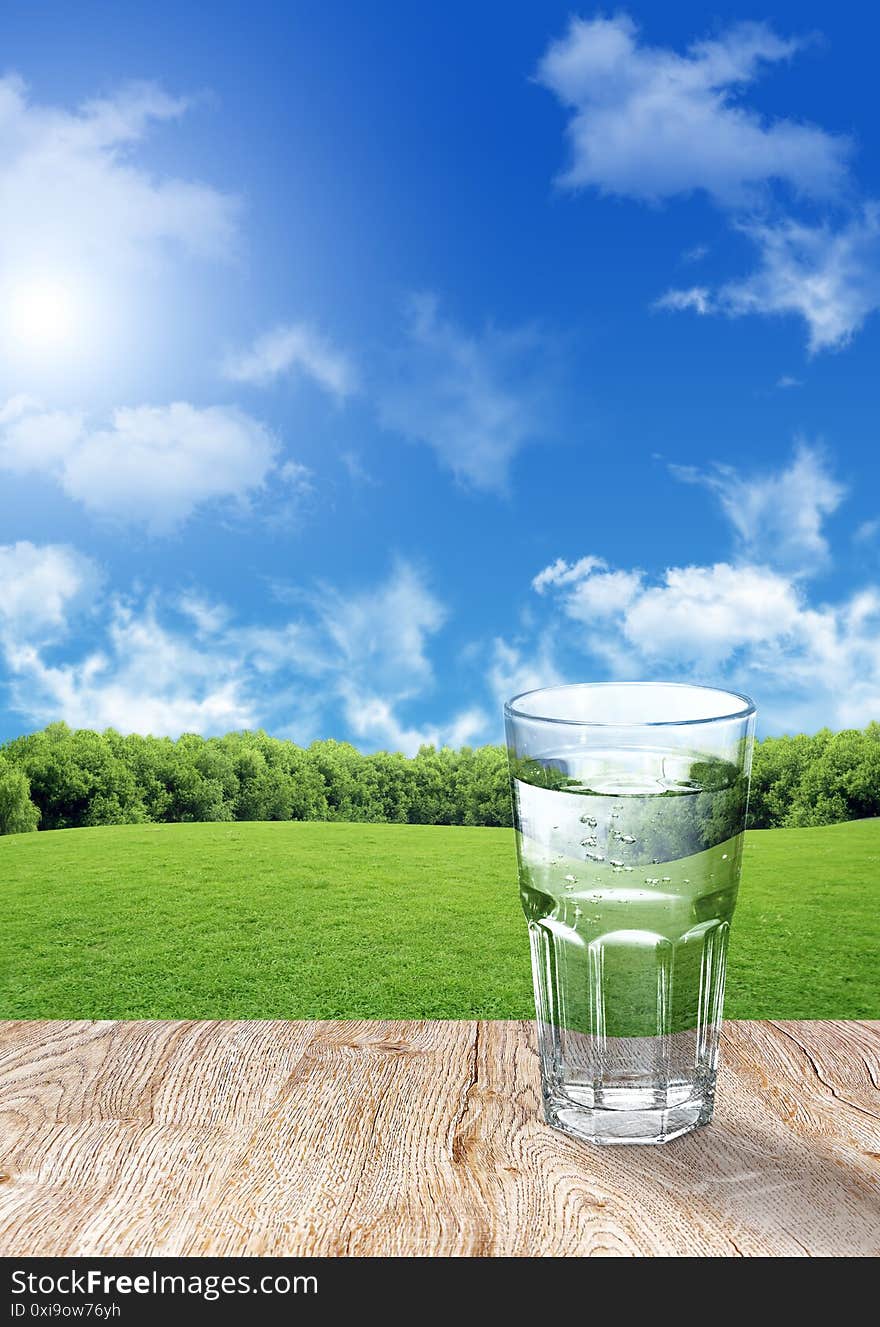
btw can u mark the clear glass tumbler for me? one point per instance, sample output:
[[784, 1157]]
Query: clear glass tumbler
[[629, 803]]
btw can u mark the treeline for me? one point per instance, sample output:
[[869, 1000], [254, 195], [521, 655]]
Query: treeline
[[61, 778]]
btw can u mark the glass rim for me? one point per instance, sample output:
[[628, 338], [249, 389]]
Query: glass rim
[[746, 709]]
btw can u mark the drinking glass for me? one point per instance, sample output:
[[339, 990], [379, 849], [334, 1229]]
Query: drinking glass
[[629, 802]]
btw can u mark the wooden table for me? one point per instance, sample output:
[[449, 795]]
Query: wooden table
[[417, 1138]]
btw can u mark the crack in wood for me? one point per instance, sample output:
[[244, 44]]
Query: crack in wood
[[844, 1101], [459, 1144]]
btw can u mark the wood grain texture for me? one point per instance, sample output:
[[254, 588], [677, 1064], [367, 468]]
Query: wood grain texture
[[415, 1138]]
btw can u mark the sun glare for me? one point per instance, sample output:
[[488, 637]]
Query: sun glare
[[42, 315]]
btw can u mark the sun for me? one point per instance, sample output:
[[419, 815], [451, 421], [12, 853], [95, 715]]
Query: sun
[[42, 314]]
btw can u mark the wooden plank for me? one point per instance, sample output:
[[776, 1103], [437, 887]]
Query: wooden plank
[[364, 1138]]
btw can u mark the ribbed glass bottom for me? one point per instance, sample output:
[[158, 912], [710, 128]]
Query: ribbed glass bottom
[[628, 1115], [610, 1088]]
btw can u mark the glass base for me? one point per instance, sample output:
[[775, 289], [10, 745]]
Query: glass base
[[628, 1116]]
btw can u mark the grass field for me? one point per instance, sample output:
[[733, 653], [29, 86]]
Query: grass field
[[308, 920]]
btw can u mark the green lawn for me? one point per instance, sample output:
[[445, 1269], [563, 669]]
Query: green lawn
[[307, 920]]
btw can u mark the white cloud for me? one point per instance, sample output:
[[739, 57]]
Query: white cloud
[[749, 623], [649, 123], [560, 573], [364, 653], [34, 440], [697, 298], [145, 679], [466, 728], [73, 196], [778, 516], [830, 278], [141, 677], [515, 668], [787, 381], [473, 398], [354, 660], [603, 594], [294, 348], [209, 618], [703, 615], [297, 477], [40, 584], [369, 652], [867, 531], [746, 625], [152, 465], [381, 634], [374, 719]]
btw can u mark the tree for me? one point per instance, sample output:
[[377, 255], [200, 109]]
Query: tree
[[350, 781], [434, 791], [842, 781], [18, 815], [777, 770], [77, 777], [483, 786]]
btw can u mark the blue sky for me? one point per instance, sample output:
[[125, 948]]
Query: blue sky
[[363, 365]]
